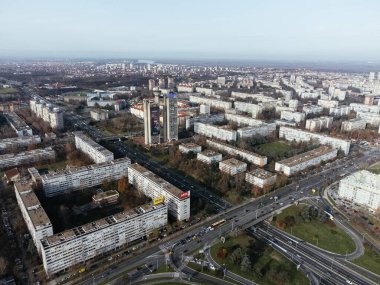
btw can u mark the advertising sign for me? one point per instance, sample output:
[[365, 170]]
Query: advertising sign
[[155, 120], [184, 195], [158, 200]]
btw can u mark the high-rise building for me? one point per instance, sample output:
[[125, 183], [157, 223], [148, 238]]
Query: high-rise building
[[170, 82], [151, 122], [161, 83], [170, 117], [371, 76], [151, 84]]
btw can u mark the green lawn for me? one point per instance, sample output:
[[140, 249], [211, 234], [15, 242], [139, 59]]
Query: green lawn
[[7, 90], [325, 235], [375, 168], [207, 271], [163, 268], [268, 268], [370, 260], [278, 149]]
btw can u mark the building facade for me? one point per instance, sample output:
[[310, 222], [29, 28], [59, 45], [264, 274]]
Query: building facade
[[218, 132], [189, 147], [154, 186], [353, 124], [232, 166], [94, 150], [26, 157], [209, 156], [170, 119], [260, 178], [151, 122]]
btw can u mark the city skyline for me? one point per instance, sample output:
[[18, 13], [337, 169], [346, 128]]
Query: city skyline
[[252, 30]]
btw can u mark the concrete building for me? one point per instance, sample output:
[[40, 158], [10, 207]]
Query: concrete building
[[362, 187], [243, 120], [232, 166], [369, 118], [151, 122], [65, 249], [285, 123], [369, 99], [94, 150], [254, 109], [242, 153], [170, 120], [161, 83], [154, 186], [17, 124], [328, 103], [340, 111], [305, 160], [296, 117], [170, 83], [260, 130], [27, 157], [185, 88], [260, 178], [151, 84], [19, 142], [312, 109], [218, 132], [205, 91], [204, 109], [99, 115], [216, 103], [291, 134], [293, 103], [365, 108], [318, 124], [73, 179], [36, 220], [209, 156], [221, 80], [48, 113], [189, 147], [353, 124]]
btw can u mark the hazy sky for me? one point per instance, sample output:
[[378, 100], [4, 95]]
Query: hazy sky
[[197, 29]]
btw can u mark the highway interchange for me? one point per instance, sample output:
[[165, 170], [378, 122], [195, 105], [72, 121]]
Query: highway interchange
[[323, 268]]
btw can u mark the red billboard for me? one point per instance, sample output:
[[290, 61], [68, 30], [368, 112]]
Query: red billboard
[[184, 195]]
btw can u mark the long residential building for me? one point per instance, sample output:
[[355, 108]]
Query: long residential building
[[265, 129], [154, 186], [339, 111], [73, 179], [48, 113], [254, 109], [362, 187], [365, 108], [353, 124], [370, 118], [19, 142], [291, 134], [26, 157], [73, 246], [305, 160], [218, 132], [316, 124], [209, 156], [225, 105], [94, 150], [244, 154], [243, 120], [17, 124], [36, 220], [293, 116]]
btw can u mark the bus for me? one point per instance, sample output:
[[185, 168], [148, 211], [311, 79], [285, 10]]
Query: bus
[[218, 223]]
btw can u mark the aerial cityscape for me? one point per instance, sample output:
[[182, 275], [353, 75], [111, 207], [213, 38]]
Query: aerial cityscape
[[190, 142]]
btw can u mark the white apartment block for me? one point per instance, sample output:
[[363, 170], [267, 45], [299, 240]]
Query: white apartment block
[[154, 186], [257, 97], [353, 124], [262, 130], [243, 120], [189, 147], [211, 102], [17, 124], [65, 249], [365, 108], [293, 116], [73, 179], [26, 157], [369, 118], [19, 142], [48, 113], [291, 134], [243, 154], [305, 160], [94, 150], [285, 123], [340, 111], [232, 166], [328, 103], [253, 109], [36, 220], [309, 95], [204, 109], [137, 110], [279, 109], [338, 94], [219, 132], [312, 109], [317, 124], [99, 115], [293, 104], [188, 88], [205, 91], [209, 156], [362, 187], [260, 178]]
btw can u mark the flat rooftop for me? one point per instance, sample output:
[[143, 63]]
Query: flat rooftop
[[303, 157], [233, 162], [261, 173], [237, 149], [153, 177], [92, 143], [210, 153], [190, 145]]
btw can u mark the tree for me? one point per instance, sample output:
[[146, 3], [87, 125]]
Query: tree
[[245, 263], [3, 265], [122, 184]]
